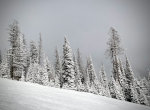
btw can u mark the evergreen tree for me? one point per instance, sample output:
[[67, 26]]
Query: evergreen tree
[[51, 75], [130, 91], [93, 81], [43, 79], [68, 67], [33, 53], [58, 70], [114, 47], [142, 99], [103, 82], [129, 73], [33, 74], [14, 33], [144, 85], [4, 69], [115, 89], [78, 82], [40, 49], [80, 64], [26, 57], [123, 76]]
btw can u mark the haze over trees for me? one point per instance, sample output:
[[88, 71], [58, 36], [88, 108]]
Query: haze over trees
[[69, 71]]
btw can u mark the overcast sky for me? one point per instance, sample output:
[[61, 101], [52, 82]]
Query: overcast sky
[[86, 24]]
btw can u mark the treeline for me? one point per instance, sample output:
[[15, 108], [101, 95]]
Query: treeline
[[68, 72]]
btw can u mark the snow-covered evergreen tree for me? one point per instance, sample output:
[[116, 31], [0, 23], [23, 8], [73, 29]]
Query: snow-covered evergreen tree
[[92, 78], [114, 47], [115, 89], [58, 70], [4, 68], [103, 82], [33, 53], [129, 73], [43, 79], [123, 76], [142, 98], [130, 93], [50, 71], [14, 39], [33, 74], [68, 67], [26, 56], [78, 77], [80, 64], [40, 50], [51, 75], [144, 85]]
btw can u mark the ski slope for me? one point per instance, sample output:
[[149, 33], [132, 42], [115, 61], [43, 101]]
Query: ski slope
[[16, 95]]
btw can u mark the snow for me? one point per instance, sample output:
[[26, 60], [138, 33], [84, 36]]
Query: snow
[[16, 95]]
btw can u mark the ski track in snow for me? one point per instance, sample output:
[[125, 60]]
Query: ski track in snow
[[16, 95]]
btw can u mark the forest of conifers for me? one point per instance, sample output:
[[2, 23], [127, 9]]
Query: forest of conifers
[[32, 65]]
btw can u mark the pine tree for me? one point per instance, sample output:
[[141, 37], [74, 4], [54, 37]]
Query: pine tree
[[58, 70], [43, 79], [115, 89], [33, 73], [80, 64], [68, 67], [50, 71], [144, 85], [51, 75], [24, 55], [78, 82], [93, 80], [14, 33], [129, 73], [4, 68], [40, 49], [130, 91], [33, 53], [123, 76], [103, 82], [142, 99], [114, 47]]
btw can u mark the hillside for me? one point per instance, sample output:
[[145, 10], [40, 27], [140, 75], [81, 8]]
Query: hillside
[[16, 95]]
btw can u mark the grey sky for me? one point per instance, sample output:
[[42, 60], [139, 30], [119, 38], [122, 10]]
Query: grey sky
[[86, 24]]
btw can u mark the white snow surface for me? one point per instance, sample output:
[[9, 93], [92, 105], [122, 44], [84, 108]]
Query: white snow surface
[[15, 95]]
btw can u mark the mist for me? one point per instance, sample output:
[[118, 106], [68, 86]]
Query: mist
[[86, 24]]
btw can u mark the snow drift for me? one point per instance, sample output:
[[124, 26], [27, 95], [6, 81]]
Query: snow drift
[[16, 95]]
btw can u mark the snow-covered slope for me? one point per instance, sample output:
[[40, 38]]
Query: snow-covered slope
[[16, 95]]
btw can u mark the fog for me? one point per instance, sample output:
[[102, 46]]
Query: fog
[[86, 24]]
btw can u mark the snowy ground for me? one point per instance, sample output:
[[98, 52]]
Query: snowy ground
[[16, 95]]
